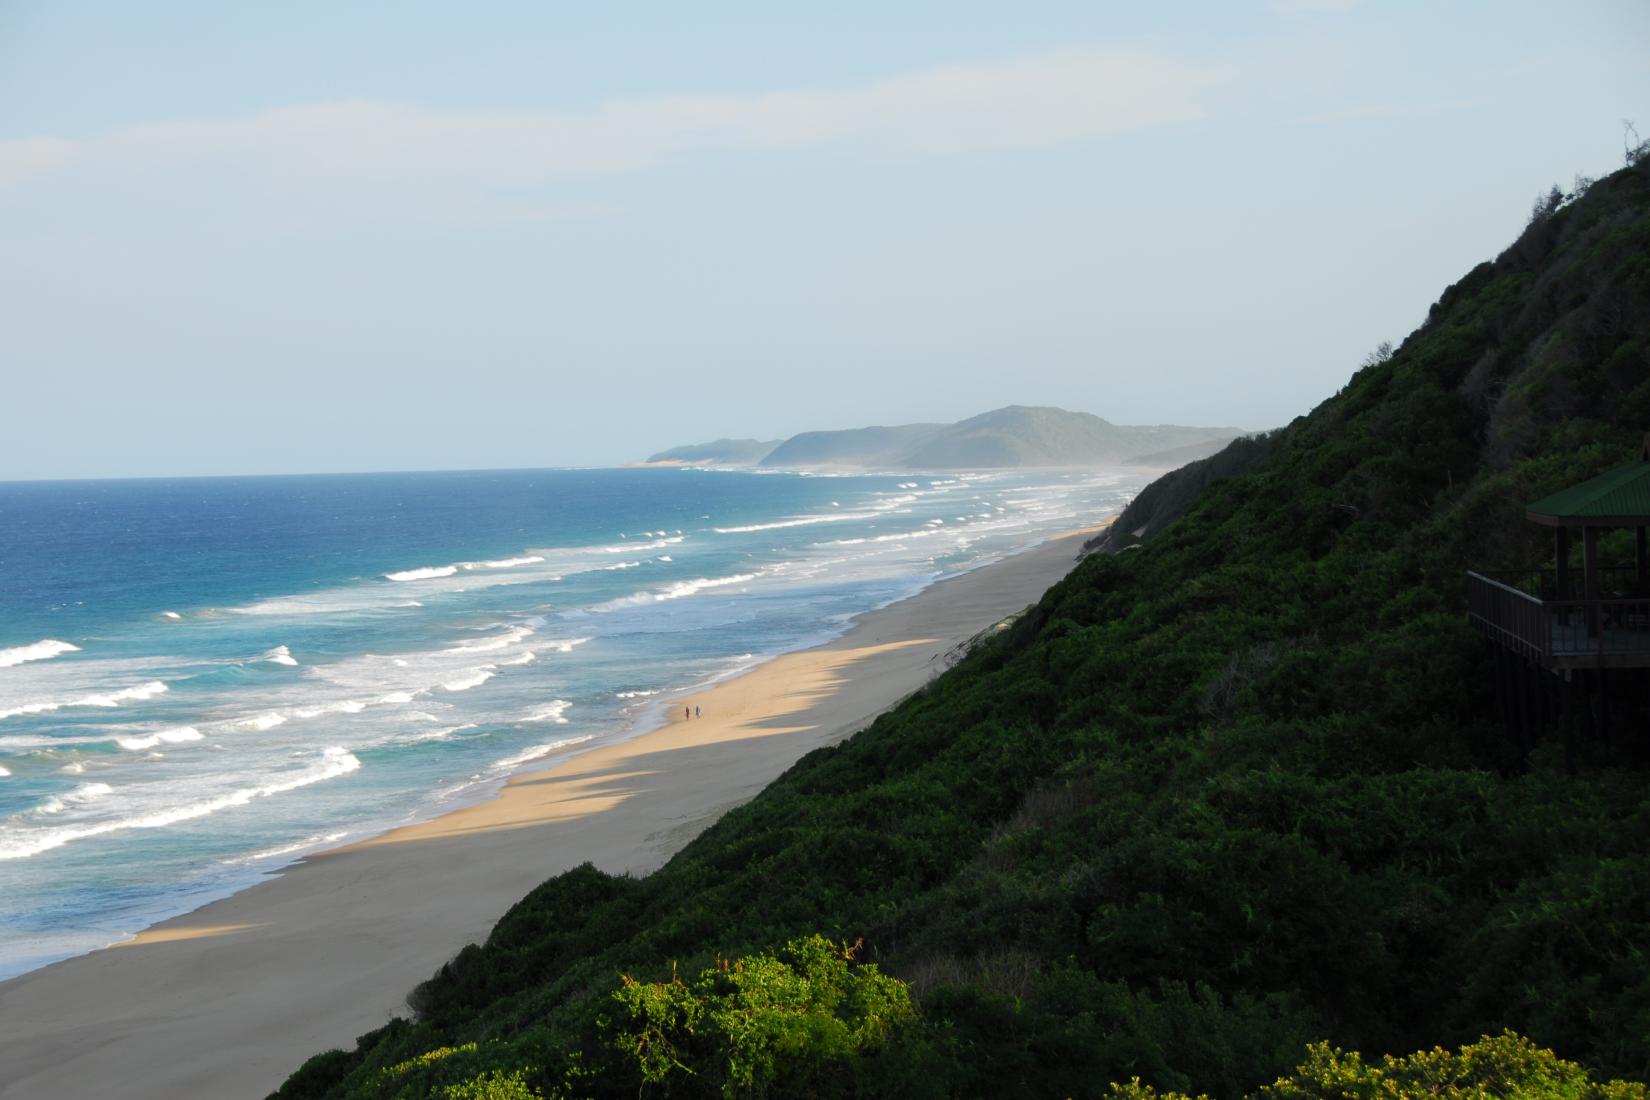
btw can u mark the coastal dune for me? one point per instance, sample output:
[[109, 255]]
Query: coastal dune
[[229, 1000]]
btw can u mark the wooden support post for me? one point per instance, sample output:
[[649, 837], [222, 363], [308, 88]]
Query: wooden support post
[[1532, 704], [1503, 696], [1604, 711], [1515, 700], [1561, 562], [1589, 578], [1569, 734], [1643, 559]]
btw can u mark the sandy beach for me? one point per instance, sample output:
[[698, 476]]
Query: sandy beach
[[226, 1001]]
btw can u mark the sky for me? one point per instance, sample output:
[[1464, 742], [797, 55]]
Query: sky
[[310, 236]]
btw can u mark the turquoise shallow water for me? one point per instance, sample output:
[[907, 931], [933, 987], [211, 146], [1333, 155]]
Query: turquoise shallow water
[[201, 679]]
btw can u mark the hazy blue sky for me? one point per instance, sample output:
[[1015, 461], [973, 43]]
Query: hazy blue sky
[[310, 236]]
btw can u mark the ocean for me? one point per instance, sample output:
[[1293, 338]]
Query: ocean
[[202, 679]]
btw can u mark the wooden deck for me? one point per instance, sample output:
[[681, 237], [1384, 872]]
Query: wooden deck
[[1560, 634]]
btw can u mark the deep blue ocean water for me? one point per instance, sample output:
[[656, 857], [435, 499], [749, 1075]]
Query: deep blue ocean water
[[201, 679]]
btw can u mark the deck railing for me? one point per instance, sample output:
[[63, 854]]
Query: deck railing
[[1508, 608], [1510, 615]]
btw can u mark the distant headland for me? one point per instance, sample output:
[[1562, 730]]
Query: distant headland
[[1018, 435]]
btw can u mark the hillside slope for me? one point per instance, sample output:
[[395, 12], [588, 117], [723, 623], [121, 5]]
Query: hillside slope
[[1238, 790], [721, 452], [878, 447], [1018, 435]]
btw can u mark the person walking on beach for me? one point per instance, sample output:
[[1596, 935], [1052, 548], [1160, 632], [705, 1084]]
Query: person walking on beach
[[686, 713], [696, 712]]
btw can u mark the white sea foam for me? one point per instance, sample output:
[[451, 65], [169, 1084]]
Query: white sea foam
[[280, 655], [801, 521], [495, 642], [100, 699], [4, 771], [23, 843], [288, 849], [665, 557], [124, 695], [342, 706], [565, 645], [621, 565], [43, 650], [396, 697], [164, 737], [502, 563], [425, 574], [554, 711], [632, 547], [433, 735], [79, 796], [538, 751], [171, 615], [636, 694], [476, 678], [263, 722], [40, 741], [900, 537], [525, 659], [689, 588]]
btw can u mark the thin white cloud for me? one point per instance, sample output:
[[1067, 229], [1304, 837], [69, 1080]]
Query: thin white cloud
[[338, 152]]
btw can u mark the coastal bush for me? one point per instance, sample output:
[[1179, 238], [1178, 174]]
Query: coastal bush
[[1240, 789], [765, 1025], [1505, 1067]]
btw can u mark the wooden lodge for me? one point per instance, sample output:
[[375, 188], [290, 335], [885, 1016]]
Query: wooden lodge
[[1577, 626]]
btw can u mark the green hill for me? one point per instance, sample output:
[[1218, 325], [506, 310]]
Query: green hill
[[879, 447], [1018, 435], [1240, 790]]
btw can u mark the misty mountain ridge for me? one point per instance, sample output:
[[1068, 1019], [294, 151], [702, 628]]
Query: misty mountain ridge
[[1018, 435]]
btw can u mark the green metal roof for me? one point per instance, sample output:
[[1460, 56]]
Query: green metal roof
[[1618, 496]]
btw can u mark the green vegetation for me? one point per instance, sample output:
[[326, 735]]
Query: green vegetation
[[1210, 801], [1507, 1067], [1014, 436]]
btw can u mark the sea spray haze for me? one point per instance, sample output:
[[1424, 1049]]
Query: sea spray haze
[[200, 679]]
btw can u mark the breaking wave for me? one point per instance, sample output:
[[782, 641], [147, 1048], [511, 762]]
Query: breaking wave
[[43, 650], [803, 521], [495, 642], [100, 699], [431, 572], [502, 563], [555, 711], [280, 655], [476, 678], [23, 843], [164, 737], [425, 574], [538, 751]]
